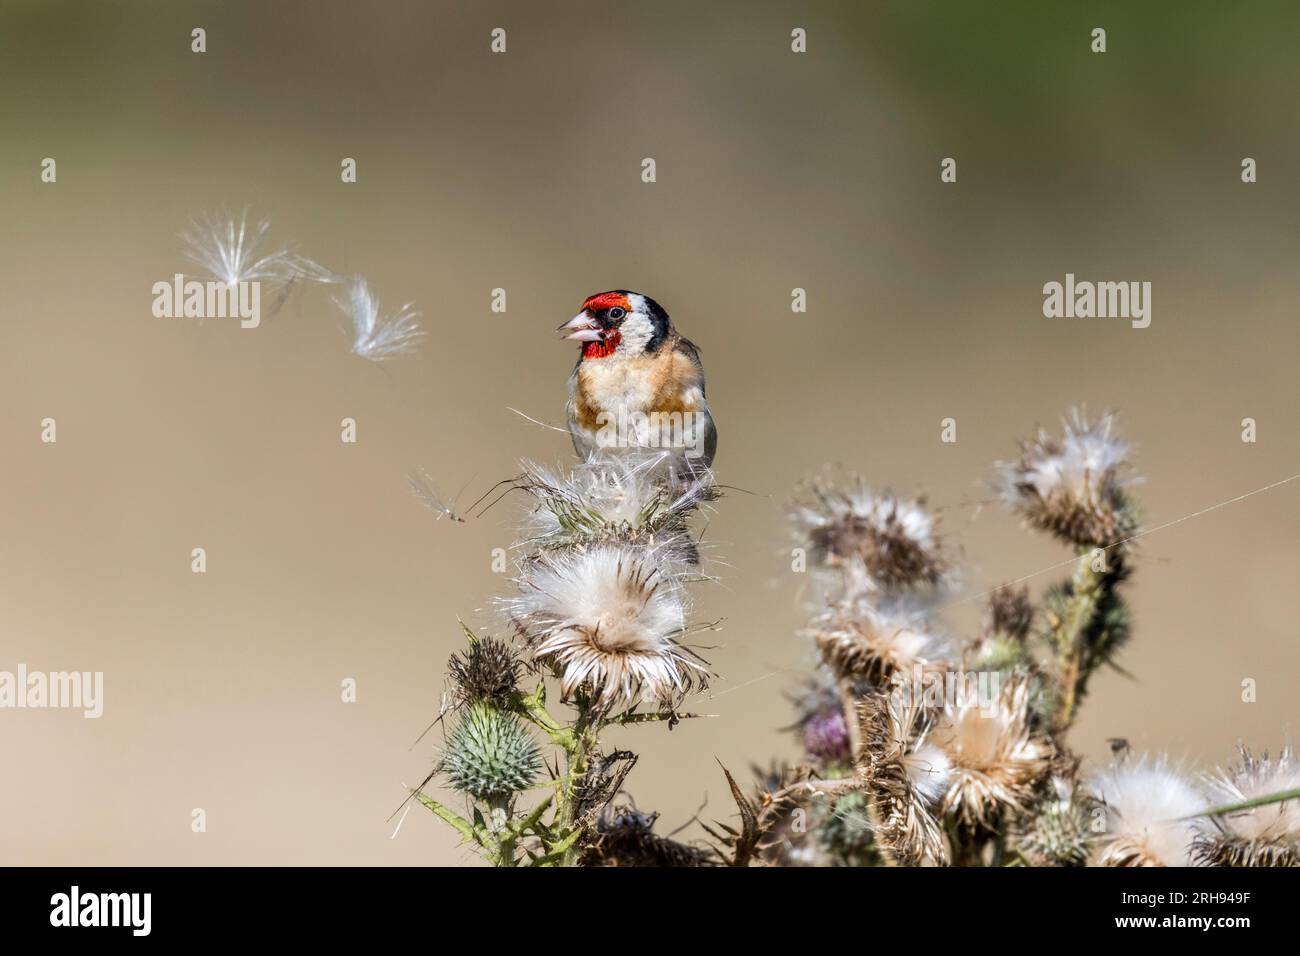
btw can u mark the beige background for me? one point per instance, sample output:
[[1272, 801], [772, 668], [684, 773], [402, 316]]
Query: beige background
[[521, 171]]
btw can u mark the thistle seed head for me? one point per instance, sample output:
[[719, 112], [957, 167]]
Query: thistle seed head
[[858, 640], [620, 499], [610, 622], [906, 776], [1075, 487], [1146, 804], [1010, 613], [996, 761], [880, 542], [1267, 835]]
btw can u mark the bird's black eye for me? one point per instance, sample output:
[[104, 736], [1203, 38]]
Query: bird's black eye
[[617, 313]]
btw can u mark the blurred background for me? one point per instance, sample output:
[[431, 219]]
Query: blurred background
[[522, 171]]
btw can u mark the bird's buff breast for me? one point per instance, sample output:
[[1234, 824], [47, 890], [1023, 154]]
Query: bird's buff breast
[[612, 385]]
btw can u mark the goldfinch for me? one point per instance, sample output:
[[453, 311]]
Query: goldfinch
[[638, 383]]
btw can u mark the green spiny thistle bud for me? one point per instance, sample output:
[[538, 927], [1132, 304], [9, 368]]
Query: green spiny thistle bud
[[1001, 653], [1044, 699], [846, 831], [1057, 835], [490, 754]]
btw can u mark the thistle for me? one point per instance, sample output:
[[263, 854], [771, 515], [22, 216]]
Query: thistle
[[601, 607], [1148, 805], [903, 761], [1263, 835], [620, 500], [1009, 614], [1056, 831], [626, 837], [880, 543], [487, 671], [859, 640], [845, 833], [1075, 487], [610, 623], [906, 777], [995, 760], [490, 755]]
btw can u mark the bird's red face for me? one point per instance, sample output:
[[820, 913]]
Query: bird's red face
[[617, 323]]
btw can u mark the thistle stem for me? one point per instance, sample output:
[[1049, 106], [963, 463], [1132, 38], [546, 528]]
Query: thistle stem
[[849, 702], [1087, 588], [582, 738]]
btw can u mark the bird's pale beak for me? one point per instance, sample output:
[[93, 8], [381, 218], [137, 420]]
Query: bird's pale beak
[[583, 328]]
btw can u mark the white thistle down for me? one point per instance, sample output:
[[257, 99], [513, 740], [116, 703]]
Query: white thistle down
[[610, 621], [881, 543], [614, 498], [996, 762], [1087, 454], [858, 638], [1074, 486], [1267, 835], [422, 487], [1147, 802], [231, 250], [376, 337]]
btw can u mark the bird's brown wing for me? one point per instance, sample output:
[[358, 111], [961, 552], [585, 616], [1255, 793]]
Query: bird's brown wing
[[686, 347]]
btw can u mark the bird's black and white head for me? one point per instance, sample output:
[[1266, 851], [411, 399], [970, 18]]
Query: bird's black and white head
[[619, 323]]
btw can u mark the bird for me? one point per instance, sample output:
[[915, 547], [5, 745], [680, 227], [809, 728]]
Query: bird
[[638, 383]]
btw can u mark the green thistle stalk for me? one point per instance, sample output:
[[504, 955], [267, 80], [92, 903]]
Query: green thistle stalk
[[1088, 622]]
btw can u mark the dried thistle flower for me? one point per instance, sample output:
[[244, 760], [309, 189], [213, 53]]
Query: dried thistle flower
[[1074, 487], [881, 542], [1002, 645], [610, 622], [906, 776], [625, 837], [1009, 613], [376, 337], [490, 755], [996, 762], [1146, 803], [844, 833], [857, 639], [1267, 835], [487, 670], [794, 816]]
